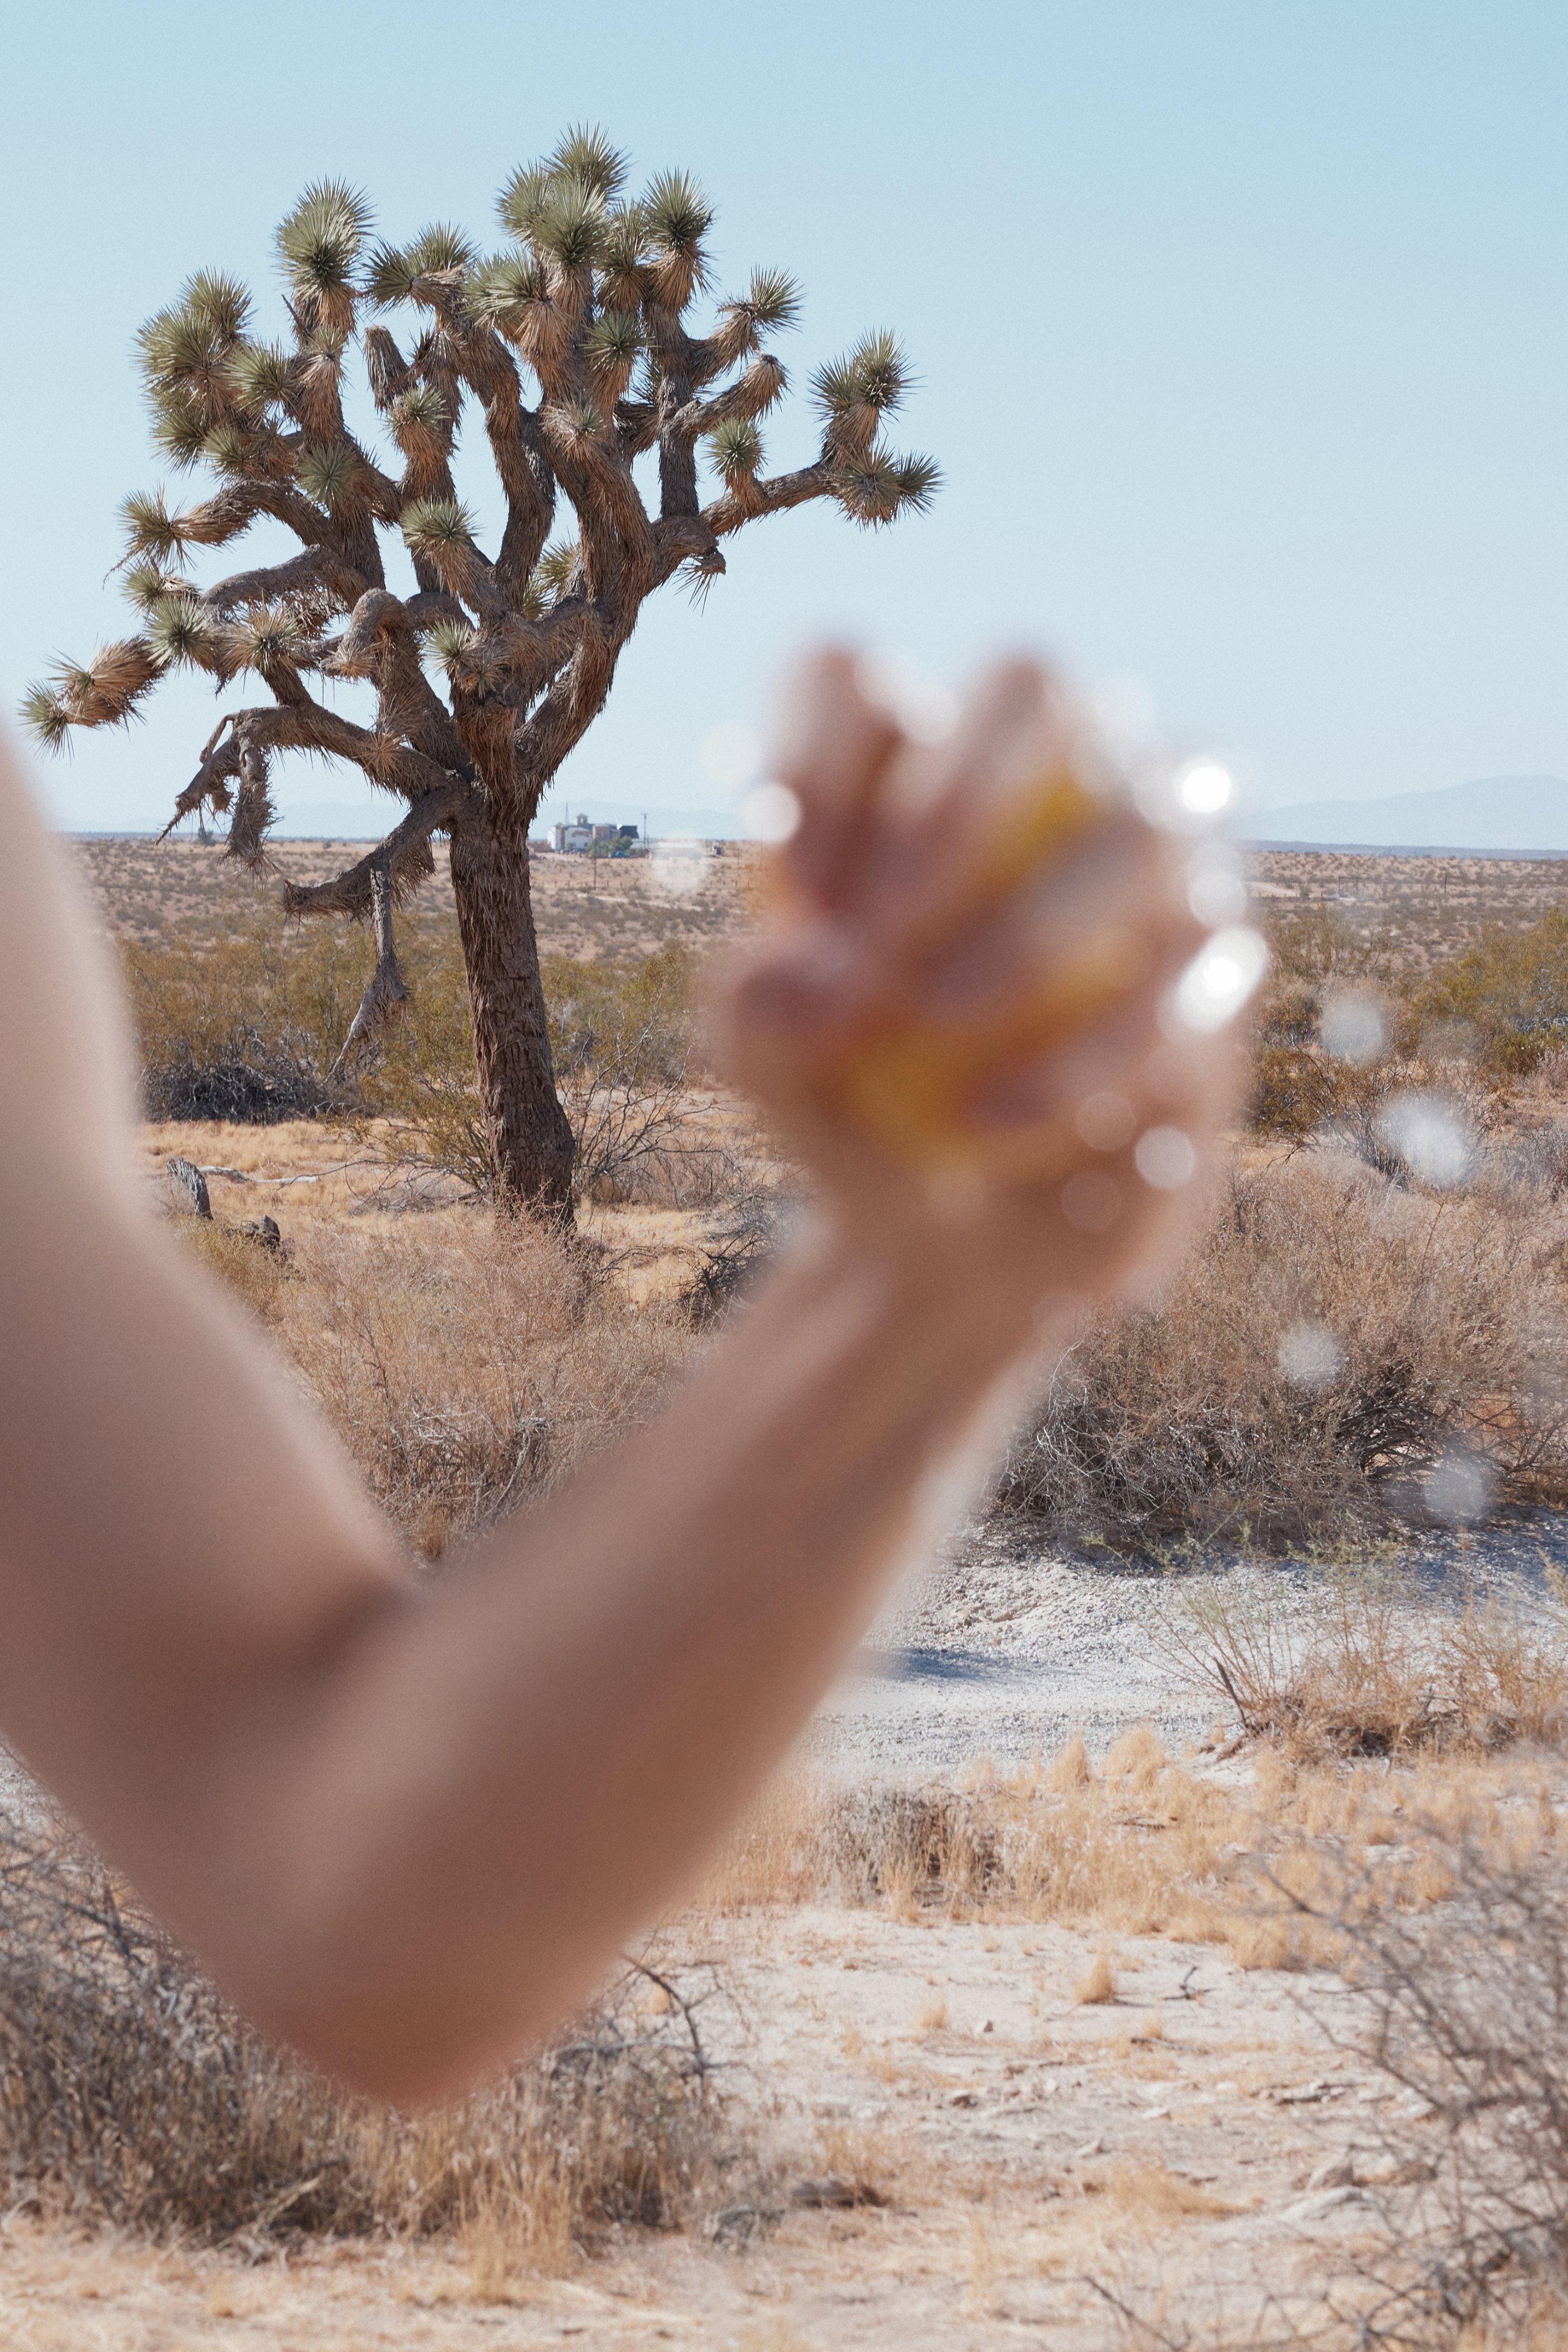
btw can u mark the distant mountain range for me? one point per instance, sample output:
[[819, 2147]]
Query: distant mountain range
[[1526, 815]]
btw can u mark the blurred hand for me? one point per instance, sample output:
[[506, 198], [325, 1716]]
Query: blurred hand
[[1076, 1151]]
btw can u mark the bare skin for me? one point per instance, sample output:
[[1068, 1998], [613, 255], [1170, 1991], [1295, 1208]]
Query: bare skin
[[408, 1828]]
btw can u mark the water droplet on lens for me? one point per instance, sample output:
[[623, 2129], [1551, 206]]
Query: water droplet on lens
[[1431, 1135], [1460, 1488], [771, 812], [1309, 1356], [1218, 981], [1352, 1027], [1166, 1158]]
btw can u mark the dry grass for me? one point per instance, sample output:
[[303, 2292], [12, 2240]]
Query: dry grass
[[1097, 1986], [466, 1361], [1441, 1360], [1374, 1668], [131, 2094]]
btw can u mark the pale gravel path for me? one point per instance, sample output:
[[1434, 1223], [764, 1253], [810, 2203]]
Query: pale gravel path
[[1007, 1646]]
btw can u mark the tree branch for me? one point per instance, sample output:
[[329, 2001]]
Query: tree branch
[[380, 643], [314, 567], [403, 858]]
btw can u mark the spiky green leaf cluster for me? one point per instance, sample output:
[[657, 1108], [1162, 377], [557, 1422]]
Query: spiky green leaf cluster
[[587, 155], [178, 631], [676, 214], [154, 531], [612, 344], [393, 271], [874, 375], [773, 299], [449, 640], [330, 473], [568, 226], [553, 572], [420, 414], [269, 635], [499, 290], [146, 582], [226, 449], [569, 213], [523, 197], [433, 525], [185, 353], [576, 421], [319, 242], [873, 489], [46, 717], [259, 376], [737, 448]]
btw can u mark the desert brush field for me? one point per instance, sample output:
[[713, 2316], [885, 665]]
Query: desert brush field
[[1156, 1939]]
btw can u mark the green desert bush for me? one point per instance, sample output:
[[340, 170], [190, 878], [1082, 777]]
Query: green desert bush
[[244, 1027], [1507, 997], [1499, 1010]]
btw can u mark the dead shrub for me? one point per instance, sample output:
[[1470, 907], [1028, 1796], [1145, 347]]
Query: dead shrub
[[1332, 1344], [1466, 2011], [468, 1369], [131, 2094], [245, 1027]]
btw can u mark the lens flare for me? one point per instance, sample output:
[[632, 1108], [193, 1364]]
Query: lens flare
[[1221, 978], [1105, 1121], [1166, 1158], [1203, 787], [1353, 1027], [678, 867], [771, 812], [1215, 883], [1459, 1488]]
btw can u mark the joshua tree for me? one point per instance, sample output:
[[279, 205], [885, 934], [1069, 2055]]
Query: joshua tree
[[591, 299]]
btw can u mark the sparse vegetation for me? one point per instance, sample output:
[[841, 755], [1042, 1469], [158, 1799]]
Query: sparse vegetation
[[1334, 1341], [131, 2094], [466, 1371], [1375, 1669]]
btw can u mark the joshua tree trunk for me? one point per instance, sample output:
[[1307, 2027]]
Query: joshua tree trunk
[[530, 1132], [588, 304]]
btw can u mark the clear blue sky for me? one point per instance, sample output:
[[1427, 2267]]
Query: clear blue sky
[[1241, 326]]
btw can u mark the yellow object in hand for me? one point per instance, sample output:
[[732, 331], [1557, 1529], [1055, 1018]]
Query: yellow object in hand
[[912, 1082]]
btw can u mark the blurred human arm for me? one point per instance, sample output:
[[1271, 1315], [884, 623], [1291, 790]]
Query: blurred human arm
[[409, 1825]]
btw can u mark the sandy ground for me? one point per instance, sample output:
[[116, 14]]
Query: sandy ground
[[1194, 2148], [1023, 2146]]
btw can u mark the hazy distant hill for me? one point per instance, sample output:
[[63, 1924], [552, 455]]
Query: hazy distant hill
[[1527, 813]]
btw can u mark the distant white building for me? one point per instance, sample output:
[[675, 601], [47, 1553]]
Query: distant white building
[[583, 835]]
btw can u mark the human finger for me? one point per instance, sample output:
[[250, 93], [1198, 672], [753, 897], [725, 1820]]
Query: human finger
[[833, 743], [965, 821]]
